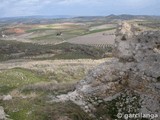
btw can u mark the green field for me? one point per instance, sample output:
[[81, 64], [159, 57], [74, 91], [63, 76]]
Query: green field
[[16, 78]]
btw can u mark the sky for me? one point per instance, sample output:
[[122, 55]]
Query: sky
[[13, 8]]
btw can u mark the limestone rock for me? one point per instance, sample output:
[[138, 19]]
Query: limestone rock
[[7, 97]]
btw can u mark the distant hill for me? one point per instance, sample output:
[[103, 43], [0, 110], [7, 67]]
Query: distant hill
[[33, 19], [52, 19], [120, 17], [128, 17]]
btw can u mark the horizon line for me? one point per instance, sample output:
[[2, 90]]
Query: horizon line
[[36, 15]]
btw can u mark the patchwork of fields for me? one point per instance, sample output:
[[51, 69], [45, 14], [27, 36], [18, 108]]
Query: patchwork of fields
[[48, 34]]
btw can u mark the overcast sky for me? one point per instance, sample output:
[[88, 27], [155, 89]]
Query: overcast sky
[[10, 8]]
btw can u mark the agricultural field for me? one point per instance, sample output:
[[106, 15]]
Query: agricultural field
[[53, 33], [105, 37]]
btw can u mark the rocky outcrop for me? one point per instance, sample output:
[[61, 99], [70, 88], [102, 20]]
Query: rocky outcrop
[[127, 83]]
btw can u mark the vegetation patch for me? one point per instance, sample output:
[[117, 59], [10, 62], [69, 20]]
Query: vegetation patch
[[46, 37], [99, 30], [38, 109], [18, 77], [49, 88], [38, 29], [125, 103], [16, 50], [158, 79]]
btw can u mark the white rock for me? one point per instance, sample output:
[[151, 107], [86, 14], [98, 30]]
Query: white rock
[[2, 114], [7, 97]]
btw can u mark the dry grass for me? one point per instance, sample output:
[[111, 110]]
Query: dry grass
[[57, 75]]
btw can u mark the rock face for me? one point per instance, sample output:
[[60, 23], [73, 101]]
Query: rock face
[[127, 83]]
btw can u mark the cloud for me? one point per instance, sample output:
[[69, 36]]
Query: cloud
[[21, 7], [79, 1], [139, 3]]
